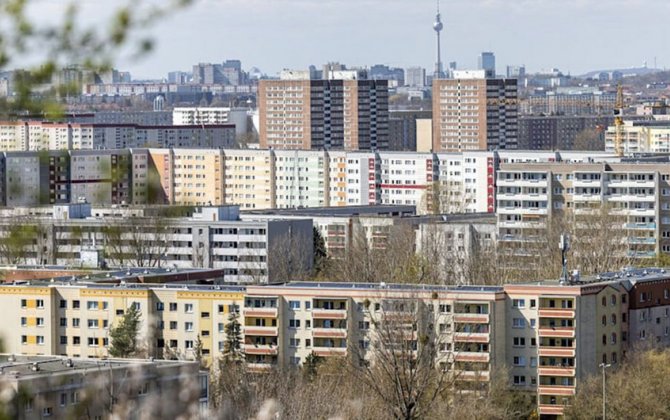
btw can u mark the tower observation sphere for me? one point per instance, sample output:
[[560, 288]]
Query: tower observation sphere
[[438, 24]]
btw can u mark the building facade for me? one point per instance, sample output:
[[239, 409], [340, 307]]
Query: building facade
[[323, 114], [550, 335], [472, 113]]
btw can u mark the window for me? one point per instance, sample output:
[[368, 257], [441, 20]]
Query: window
[[40, 304], [173, 306], [188, 344], [533, 303], [105, 306], [519, 361], [308, 305], [294, 304], [308, 342], [294, 342], [63, 304], [63, 339], [46, 412], [604, 301], [160, 306], [518, 303], [24, 321], [188, 308], [75, 322], [295, 361], [221, 327], [63, 399], [75, 304], [604, 320], [204, 314], [92, 323], [613, 300], [29, 404], [533, 361], [188, 326], [518, 323], [24, 303], [519, 380], [294, 323], [119, 312], [613, 319], [173, 325], [533, 341], [445, 308], [519, 341], [92, 305], [613, 338], [363, 325], [614, 357], [40, 339], [24, 339], [135, 305], [604, 338], [93, 341], [76, 340], [533, 321]]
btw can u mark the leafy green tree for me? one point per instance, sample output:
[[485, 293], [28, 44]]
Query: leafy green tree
[[124, 335], [232, 347]]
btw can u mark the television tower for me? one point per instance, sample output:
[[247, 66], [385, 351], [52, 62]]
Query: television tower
[[437, 26]]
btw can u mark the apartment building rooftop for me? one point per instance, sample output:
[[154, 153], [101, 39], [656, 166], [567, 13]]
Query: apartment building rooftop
[[397, 287], [627, 277], [19, 366], [62, 275], [382, 210]]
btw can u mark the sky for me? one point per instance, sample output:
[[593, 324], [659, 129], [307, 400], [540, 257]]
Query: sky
[[575, 36]]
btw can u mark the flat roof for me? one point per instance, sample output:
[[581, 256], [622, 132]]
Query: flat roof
[[19, 366]]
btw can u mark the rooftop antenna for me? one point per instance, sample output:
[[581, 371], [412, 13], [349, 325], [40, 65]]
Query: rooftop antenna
[[564, 246]]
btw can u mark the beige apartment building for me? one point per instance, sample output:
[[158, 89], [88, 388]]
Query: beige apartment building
[[474, 114], [641, 137], [249, 178], [323, 114], [551, 335]]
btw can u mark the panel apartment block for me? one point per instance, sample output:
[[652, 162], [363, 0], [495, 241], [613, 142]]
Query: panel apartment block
[[474, 114], [323, 114]]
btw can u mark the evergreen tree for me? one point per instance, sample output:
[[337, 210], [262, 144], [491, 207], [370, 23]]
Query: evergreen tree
[[124, 335], [232, 348], [311, 365], [320, 252]]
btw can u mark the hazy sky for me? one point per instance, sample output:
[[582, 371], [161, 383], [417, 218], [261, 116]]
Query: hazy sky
[[573, 35]]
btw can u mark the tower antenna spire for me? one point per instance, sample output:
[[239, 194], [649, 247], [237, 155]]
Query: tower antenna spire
[[437, 27]]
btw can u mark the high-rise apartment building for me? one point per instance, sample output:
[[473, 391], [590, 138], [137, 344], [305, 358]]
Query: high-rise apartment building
[[323, 114], [474, 113]]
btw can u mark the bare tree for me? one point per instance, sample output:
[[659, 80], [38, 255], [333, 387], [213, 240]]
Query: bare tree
[[139, 242], [402, 363]]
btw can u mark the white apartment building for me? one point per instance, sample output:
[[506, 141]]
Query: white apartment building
[[641, 137], [529, 194], [211, 116], [300, 178], [248, 251]]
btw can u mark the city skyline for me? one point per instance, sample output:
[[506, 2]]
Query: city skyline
[[271, 35]]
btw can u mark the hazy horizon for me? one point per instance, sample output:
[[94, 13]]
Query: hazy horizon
[[575, 36]]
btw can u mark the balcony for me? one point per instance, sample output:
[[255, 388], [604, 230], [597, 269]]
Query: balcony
[[556, 390], [465, 337], [259, 367], [561, 332], [642, 241], [556, 371], [260, 312], [550, 409], [470, 375], [471, 356], [329, 333], [557, 313], [261, 331], [330, 351], [329, 313], [646, 226], [260, 349], [556, 351], [466, 318]]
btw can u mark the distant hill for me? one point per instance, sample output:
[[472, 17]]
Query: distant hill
[[633, 71]]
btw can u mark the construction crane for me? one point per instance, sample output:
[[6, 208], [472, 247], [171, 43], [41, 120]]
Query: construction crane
[[618, 121]]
